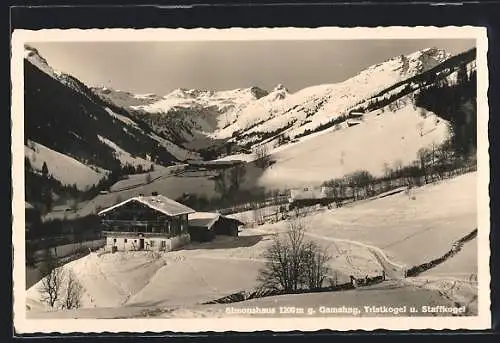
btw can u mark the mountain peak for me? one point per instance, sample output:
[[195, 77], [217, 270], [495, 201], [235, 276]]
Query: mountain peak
[[279, 92], [184, 93], [280, 87], [32, 54], [258, 92], [34, 57]]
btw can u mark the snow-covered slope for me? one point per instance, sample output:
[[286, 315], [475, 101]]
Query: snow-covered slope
[[50, 99], [224, 101], [249, 116], [178, 152], [125, 99], [378, 139], [124, 157], [396, 224], [63, 168], [317, 105]]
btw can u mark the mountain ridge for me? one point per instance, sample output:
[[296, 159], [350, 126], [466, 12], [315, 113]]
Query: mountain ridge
[[276, 109], [109, 129]]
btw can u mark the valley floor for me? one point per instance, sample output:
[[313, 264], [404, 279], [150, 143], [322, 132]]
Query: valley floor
[[390, 234]]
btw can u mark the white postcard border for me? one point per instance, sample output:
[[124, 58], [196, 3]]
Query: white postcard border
[[24, 325]]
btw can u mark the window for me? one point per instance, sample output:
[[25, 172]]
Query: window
[[152, 243], [124, 240], [114, 240]]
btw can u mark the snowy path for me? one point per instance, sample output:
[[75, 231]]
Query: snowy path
[[392, 269]]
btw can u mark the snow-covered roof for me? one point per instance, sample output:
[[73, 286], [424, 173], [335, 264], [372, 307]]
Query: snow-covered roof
[[28, 206], [159, 203], [208, 219], [203, 219]]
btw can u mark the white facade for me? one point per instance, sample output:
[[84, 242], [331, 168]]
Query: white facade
[[128, 243]]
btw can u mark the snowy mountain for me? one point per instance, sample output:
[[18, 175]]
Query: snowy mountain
[[185, 116], [66, 121], [252, 116], [109, 129]]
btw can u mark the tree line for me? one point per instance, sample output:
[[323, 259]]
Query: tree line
[[433, 163], [456, 103]]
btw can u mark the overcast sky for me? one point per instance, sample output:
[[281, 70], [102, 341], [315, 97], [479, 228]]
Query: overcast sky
[[160, 67]]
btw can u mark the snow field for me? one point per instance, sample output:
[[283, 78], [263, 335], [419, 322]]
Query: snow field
[[125, 157], [410, 231], [192, 275], [63, 168], [386, 138], [203, 272]]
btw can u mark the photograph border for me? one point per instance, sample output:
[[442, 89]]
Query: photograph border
[[247, 324]]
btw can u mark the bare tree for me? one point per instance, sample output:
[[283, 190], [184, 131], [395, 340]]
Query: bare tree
[[50, 286], [351, 183], [258, 216], [387, 169], [397, 166], [74, 289], [423, 157], [316, 265], [262, 156], [293, 262], [362, 179]]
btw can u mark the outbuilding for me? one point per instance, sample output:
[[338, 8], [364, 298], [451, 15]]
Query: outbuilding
[[204, 226]]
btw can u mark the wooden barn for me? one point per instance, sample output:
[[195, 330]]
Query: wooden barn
[[146, 223], [204, 226]]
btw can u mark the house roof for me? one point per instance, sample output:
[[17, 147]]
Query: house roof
[[28, 206], [159, 203], [203, 219], [208, 219], [237, 221]]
